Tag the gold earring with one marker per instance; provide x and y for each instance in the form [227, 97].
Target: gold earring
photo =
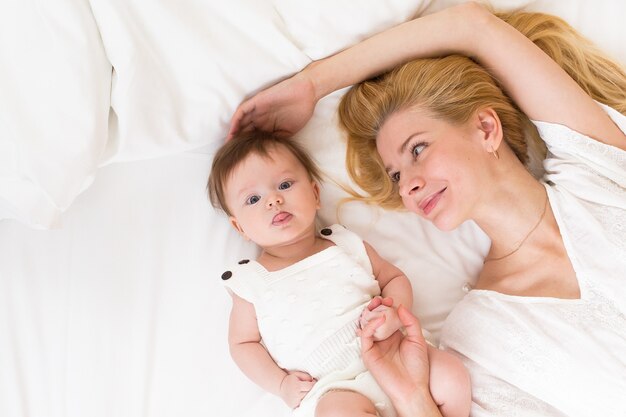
[494, 152]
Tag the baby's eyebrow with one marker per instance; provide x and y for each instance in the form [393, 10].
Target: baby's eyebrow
[245, 190]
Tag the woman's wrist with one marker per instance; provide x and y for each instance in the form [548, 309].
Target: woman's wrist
[319, 80]
[421, 404]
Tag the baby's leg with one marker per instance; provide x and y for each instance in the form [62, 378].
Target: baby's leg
[449, 383]
[344, 404]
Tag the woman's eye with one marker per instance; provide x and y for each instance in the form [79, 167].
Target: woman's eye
[284, 185]
[395, 177]
[417, 149]
[253, 199]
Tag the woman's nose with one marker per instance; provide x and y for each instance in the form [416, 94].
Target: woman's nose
[409, 186]
[274, 200]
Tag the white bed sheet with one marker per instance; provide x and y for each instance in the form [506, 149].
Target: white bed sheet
[122, 313]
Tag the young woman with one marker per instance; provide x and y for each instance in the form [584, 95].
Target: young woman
[544, 330]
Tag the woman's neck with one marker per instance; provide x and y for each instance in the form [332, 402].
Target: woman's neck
[513, 214]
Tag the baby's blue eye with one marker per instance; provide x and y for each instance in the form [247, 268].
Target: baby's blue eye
[284, 185]
[253, 199]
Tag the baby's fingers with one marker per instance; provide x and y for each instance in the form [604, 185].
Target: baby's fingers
[375, 302]
[299, 397]
[306, 386]
[303, 376]
[380, 301]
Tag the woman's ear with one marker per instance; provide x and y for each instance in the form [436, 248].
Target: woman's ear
[316, 190]
[235, 224]
[490, 128]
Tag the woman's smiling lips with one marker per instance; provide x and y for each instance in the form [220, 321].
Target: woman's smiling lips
[428, 204]
[281, 218]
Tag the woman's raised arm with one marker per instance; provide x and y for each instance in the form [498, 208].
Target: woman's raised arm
[534, 81]
[537, 84]
[286, 107]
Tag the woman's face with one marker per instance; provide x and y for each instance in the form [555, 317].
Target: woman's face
[437, 165]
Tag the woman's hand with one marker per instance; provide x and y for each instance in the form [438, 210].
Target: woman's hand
[400, 363]
[295, 386]
[282, 109]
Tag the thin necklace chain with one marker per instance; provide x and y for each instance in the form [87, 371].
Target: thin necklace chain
[545, 206]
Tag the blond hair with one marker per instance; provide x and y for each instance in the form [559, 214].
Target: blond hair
[453, 88]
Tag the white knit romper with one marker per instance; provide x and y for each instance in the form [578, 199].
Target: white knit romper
[308, 314]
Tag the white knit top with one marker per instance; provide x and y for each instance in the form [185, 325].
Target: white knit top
[549, 357]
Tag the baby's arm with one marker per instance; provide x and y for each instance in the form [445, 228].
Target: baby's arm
[449, 383]
[393, 283]
[252, 358]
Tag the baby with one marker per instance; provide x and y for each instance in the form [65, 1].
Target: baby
[297, 308]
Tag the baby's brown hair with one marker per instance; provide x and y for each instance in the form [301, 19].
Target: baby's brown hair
[235, 151]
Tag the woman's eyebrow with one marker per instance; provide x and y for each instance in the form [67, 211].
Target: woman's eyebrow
[404, 145]
[406, 142]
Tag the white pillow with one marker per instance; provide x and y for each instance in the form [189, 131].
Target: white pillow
[324, 27]
[55, 82]
[182, 67]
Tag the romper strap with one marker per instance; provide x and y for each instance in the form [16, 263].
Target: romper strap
[349, 242]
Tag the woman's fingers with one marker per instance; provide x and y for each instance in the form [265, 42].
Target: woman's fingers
[367, 333]
[243, 118]
[411, 324]
[235, 123]
[249, 117]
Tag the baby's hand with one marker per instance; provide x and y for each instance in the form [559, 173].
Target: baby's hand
[294, 386]
[390, 325]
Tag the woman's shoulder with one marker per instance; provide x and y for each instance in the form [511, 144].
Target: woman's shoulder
[563, 141]
[582, 166]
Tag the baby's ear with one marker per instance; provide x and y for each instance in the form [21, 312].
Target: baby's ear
[235, 224]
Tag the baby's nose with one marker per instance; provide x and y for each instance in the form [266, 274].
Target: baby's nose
[274, 201]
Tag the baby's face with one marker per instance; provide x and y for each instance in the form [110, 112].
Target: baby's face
[272, 199]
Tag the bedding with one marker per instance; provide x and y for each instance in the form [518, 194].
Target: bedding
[109, 115]
[54, 108]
